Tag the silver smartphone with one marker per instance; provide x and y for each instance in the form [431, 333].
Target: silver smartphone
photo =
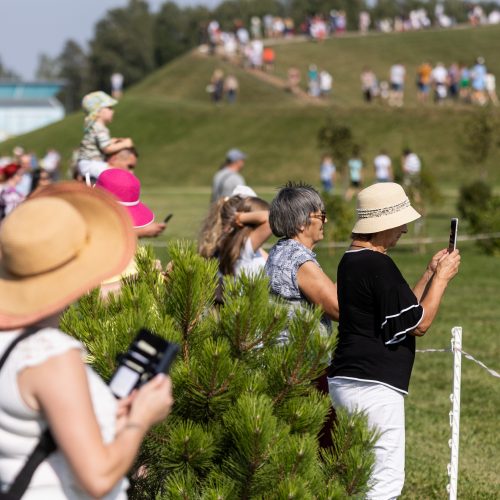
[453, 234]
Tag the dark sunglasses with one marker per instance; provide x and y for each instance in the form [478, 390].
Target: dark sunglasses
[321, 217]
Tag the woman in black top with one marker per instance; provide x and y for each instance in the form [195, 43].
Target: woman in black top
[380, 316]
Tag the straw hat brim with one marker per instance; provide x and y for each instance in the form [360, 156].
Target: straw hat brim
[109, 247]
[377, 224]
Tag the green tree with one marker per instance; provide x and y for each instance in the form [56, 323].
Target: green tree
[338, 140]
[8, 74]
[48, 68]
[478, 140]
[176, 30]
[246, 414]
[123, 42]
[74, 69]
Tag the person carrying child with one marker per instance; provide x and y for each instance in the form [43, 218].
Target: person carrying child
[97, 142]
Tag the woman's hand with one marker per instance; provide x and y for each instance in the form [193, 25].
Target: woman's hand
[123, 410]
[435, 260]
[152, 402]
[448, 265]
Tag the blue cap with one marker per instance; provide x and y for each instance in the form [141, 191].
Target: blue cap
[235, 155]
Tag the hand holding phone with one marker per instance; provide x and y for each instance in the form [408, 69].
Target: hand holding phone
[148, 355]
[452, 245]
[167, 218]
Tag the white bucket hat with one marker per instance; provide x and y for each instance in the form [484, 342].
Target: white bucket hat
[383, 206]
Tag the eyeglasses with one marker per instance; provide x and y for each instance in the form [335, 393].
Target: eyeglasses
[323, 218]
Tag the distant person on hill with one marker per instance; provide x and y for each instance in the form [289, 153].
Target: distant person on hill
[228, 176]
[269, 58]
[439, 78]
[116, 85]
[478, 82]
[491, 88]
[216, 86]
[355, 166]
[464, 91]
[327, 173]
[231, 87]
[383, 167]
[369, 85]
[325, 83]
[97, 142]
[397, 77]
[293, 79]
[424, 72]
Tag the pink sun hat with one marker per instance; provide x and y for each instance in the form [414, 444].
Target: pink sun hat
[126, 187]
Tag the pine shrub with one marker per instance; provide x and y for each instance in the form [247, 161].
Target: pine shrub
[246, 415]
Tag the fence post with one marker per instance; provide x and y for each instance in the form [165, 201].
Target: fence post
[456, 347]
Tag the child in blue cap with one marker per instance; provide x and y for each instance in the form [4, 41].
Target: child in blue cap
[97, 143]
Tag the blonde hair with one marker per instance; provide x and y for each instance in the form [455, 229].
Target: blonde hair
[220, 237]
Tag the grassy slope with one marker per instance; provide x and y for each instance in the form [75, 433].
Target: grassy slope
[182, 137]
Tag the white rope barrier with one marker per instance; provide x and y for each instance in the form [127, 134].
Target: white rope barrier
[344, 244]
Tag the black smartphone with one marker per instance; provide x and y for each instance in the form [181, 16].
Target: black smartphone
[148, 355]
[453, 235]
[167, 218]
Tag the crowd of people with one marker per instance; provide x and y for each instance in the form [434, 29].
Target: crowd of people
[372, 363]
[383, 171]
[94, 224]
[456, 83]
[323, 25]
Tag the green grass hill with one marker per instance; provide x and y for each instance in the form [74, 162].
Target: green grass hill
[182, 136]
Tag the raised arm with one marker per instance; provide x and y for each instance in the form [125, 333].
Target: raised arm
[117, 145]
[318, 288]
[66, 403]
[446, 269]
[424, 281]
[259, 219]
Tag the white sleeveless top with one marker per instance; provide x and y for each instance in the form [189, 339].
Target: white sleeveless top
[250, 262]
[21, 426]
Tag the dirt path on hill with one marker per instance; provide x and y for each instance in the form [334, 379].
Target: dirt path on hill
[271, 79]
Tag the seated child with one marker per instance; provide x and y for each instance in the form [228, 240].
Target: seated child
[96, 142]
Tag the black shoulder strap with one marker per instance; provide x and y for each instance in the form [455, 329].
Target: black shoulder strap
[42, 450]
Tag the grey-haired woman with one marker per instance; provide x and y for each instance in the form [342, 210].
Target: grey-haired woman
[297, 216]
[380, 316]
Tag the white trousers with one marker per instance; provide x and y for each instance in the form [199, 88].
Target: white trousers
[385, 410]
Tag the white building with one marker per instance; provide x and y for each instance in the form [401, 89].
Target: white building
[27, 106]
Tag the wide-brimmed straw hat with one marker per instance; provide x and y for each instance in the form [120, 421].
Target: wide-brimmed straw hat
[383, 206]
[126, 187]
[57, 246]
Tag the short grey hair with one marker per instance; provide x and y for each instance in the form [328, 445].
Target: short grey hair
[291, 208]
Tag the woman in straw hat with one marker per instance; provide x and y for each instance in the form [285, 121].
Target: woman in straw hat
[54, 248]
[380, 316]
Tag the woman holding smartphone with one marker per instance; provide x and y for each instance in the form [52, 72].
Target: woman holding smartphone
[380, 316]
[54, 248]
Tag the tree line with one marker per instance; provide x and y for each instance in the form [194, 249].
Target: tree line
[134, 41]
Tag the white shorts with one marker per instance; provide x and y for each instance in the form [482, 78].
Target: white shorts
[385, 410]
[92, 169]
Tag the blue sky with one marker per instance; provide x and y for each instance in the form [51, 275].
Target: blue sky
[31, 27]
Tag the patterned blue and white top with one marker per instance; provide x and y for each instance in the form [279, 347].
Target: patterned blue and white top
[283, 263]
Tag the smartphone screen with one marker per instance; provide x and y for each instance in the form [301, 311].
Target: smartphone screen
[453, 235]
[167, 218]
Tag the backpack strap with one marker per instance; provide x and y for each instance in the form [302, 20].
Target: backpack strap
[42, 450]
